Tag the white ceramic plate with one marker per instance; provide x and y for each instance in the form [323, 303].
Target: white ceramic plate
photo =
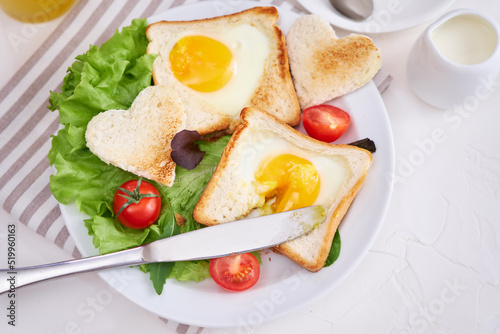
[388, 15]
[283, 287]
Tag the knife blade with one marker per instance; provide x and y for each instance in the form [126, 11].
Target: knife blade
[236, 237]
[240, 236]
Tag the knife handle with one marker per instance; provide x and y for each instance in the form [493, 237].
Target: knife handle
[18, 277]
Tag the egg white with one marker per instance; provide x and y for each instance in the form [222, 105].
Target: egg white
[333, 170]
[250, 50]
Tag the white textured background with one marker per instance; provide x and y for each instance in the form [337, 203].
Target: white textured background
[434, 267]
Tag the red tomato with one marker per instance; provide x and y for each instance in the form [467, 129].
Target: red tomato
[137, 204]
[235, 273]
[324, 122]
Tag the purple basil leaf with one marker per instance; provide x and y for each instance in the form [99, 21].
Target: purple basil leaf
[366, 143]
[185, 152]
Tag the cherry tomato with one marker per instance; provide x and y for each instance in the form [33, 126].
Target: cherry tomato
[137, 204]
[324, 122]
[235, 273]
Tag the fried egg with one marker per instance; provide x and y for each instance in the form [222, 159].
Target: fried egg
[286, 177]
[223, 65]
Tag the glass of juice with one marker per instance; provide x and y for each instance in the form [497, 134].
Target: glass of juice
[35, 11]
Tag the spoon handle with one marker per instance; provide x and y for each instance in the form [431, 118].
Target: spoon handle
[18, 277]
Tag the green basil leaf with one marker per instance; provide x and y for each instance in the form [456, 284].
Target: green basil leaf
[334, 250]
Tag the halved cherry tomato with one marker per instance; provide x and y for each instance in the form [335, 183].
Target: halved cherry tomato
[324, 122]
[137, 204]
[235, 273]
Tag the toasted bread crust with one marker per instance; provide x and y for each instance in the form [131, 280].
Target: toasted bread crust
[264, 98]
[271, 13]
[138, 139]
[324, 66]
[274, 93]
[202, 207]
[333, 222]
[347, 51]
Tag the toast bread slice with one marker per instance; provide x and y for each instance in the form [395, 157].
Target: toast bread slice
[231, 195]
[324, 66]
[273, 91]
[201, 116]
[138, 139]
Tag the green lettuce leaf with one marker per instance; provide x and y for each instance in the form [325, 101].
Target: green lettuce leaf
[111, 236]
[189, 184]
[109, 77]
[190, 271]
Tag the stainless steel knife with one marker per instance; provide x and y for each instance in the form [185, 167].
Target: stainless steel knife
[240, 236]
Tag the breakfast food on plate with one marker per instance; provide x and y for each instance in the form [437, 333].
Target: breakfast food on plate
[225, 63]
[268, 167]
[138, 139]
[324, 66]
[265, 166]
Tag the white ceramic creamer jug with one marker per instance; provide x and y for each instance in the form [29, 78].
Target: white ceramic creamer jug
[454, 58]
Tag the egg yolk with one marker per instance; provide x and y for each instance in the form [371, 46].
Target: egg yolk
[292, 180]
[201, 63]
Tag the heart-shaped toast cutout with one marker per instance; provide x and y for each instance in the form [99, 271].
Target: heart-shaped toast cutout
[323, 66]
[138, 139]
